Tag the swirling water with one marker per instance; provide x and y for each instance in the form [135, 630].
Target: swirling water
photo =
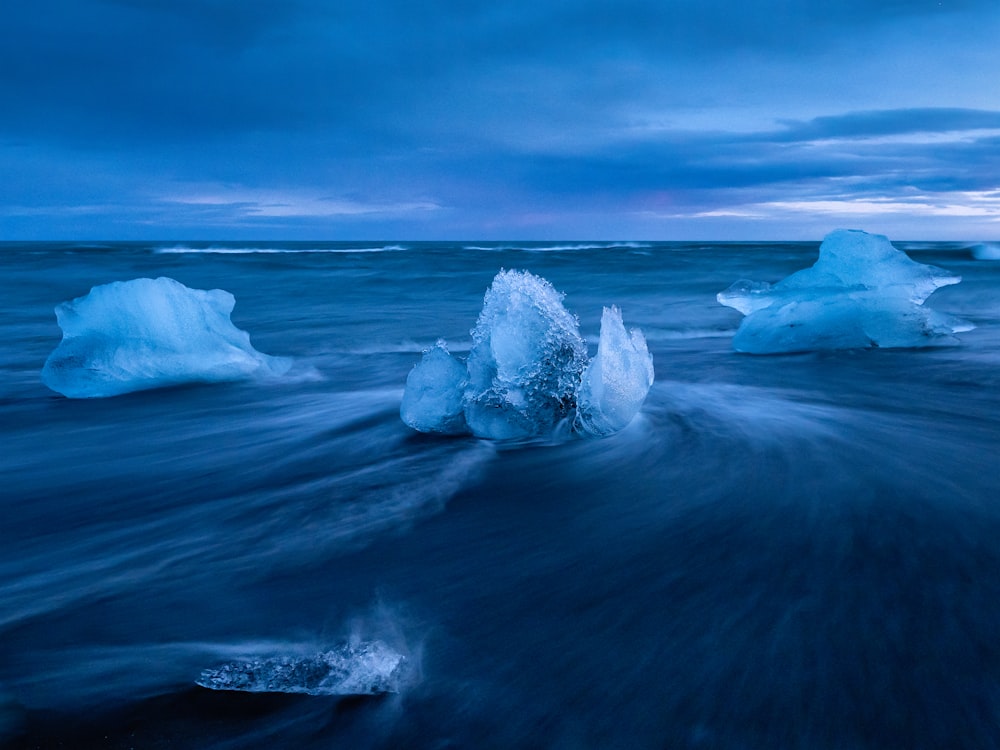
[797, 551]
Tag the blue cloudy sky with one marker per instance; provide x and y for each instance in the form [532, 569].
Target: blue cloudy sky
[459, 119]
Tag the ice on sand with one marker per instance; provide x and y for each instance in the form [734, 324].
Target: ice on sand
[861, 293]
[368, 668]
[528, 371]
[149, 333]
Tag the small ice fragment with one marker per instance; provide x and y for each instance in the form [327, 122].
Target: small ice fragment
[149, 333]
[368, 668]
[433, 398]
[986, 251]
[617, 379]
[527, 372]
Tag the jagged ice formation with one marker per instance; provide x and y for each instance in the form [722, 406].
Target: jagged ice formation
[528, 370]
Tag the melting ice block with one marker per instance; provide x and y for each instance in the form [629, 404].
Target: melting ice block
[369, 668]
[148, 333]
[526, 360]
[433, 399]
[616, 381]
[528, 370]
[986, 251]
[862, 292]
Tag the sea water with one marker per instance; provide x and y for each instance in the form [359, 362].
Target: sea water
[796, 551]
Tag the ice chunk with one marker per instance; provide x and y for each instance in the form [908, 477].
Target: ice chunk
[148, 333]
[368, 668]
[527, 371]
[861, 292]
[526, 360]
[986, 251]
[746, 296]
[434, 397]
[616, 381]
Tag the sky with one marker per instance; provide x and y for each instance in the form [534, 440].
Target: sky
[526, 119]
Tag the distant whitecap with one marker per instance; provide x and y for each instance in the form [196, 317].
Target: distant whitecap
[226, 250]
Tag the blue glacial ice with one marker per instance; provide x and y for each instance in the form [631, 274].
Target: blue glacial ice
[528, 371]
[526, 359]
[149, 333]
[861, 293]
[432, 401]
[616, 380]
[366, 668]
[986, 251]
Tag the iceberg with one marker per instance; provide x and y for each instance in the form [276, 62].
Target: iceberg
[528, 371]
[367, 668]
[861, 293]
[150, 333]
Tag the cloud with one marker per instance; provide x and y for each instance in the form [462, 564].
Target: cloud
[106, 70]
[892, 122]
[876, 150]
[459, 115]
[957, 204]
[233, 204]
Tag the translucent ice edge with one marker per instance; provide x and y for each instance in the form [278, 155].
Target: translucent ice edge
[367, 668]
[986, 251]
[861, 293]
[528, 371]
[150, 333]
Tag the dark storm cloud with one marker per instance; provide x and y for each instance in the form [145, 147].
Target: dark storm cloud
[92, 68]
[147, 68]
[233, 111]
[858, 145]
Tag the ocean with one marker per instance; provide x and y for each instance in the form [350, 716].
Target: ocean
[787, 551]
